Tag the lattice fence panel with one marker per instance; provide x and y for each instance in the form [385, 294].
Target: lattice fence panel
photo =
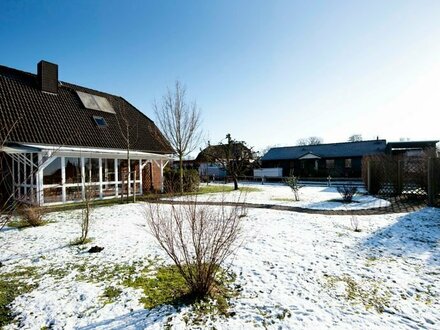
[414, 177]
[435, 179]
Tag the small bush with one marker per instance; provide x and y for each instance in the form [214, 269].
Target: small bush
[347, 192]
[31, 216]
[292, 182]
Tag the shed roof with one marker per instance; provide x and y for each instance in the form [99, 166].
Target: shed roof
[330, 150]
[38, 117]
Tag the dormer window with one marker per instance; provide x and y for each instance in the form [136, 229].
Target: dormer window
[100, 121]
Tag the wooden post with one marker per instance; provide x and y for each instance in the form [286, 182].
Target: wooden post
[63, 179]
[134, 185]
[430, 178]
[83, 179]
[116, 178]
[369, 176]
[161, 176]
[399, 177]
[39, 183]
[100, 178]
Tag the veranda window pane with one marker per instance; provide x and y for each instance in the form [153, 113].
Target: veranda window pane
[52, 173]
[134, 167]
[73, 193]
[73, 170]
[91, 191]
[108, 190]
[109, 172]
[122, 170]
[92, 169]
[52, 195]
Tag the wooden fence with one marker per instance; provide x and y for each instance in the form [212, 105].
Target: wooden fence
[416, 178]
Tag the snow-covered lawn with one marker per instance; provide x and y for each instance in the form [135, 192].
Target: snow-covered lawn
[295, 271]
[320, 198]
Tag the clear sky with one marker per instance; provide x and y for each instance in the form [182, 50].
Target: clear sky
[268, 72]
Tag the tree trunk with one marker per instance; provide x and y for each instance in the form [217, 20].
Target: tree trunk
[235, 182]
[181, 173]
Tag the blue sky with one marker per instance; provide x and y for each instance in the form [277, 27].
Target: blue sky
[268, 72]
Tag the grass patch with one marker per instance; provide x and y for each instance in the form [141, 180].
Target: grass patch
[369, 293]
[283, 199]
[79, 241]
[22, 224]
[223, 189]
[12, 285]
[110, 294]
[9, 290]
[110, 272]
[168, 287]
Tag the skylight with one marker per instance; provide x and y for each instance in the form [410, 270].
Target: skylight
[95, 102]
[100, 121]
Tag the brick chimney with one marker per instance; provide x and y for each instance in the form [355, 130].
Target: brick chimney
[47, 74]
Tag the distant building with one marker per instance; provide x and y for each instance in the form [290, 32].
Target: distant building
[336, 159]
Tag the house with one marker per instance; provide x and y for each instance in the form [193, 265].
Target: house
[334, 159]
[338, 159]
[58, 139]
[213, 160]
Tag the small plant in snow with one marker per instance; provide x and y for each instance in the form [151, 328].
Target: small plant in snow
[355, 224]
[347, 192]
[86, 212]
[292, 182]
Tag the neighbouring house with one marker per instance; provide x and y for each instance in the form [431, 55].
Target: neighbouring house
[337, 159]
[334, 159]
[60, 139]
[212, 160]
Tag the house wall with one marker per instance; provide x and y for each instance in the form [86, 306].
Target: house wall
[156, 176]
[306, 168]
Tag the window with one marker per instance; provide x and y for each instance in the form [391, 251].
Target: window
[91, 168]
[73, 170]
[52, 172]
[348, 163]
[330, 163]
[95, 102]
[100, 121]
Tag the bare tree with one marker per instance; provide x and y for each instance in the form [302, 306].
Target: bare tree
[355, 138]
[198, 238]
[312, 140]
[130, 134]
[180, 123]
[234, 156]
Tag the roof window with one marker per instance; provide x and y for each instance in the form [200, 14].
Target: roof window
[100, 121]
[95, 102]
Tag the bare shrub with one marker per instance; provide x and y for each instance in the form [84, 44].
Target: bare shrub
[198, 238]
[347, 192]
[292, 182]
[31, 216]
[86, 212]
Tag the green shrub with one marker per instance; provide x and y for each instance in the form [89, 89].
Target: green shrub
[191, 180]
